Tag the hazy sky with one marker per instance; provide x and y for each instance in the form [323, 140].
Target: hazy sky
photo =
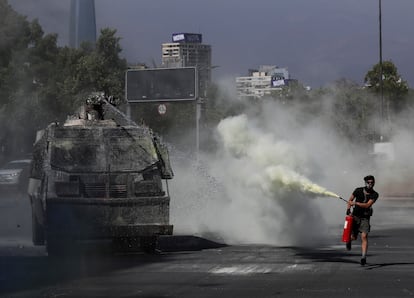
[319, 41]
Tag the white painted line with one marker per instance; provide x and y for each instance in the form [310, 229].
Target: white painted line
[240, 270]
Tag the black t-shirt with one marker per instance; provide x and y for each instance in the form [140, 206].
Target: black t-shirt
[362, 197]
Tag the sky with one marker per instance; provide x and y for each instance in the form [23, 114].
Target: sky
[319, 41]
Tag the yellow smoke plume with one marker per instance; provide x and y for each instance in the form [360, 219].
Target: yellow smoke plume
[272, 163]
[281, 176]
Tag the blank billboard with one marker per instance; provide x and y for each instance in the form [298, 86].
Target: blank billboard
[161, 84]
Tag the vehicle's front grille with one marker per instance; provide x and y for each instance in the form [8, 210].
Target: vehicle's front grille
[100, 190]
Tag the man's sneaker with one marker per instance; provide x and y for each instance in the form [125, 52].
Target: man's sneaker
[348, 245]
[363, 261]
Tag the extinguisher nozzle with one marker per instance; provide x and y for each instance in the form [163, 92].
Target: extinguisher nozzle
[343, 199]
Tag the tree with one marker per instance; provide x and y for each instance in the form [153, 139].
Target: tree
[14, 35]
[103, 69]
[353, 108]
[41, 82]
[291, 93]
[394, 88]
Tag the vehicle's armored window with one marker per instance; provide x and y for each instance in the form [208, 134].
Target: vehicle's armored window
[71, 156]
[130, 154]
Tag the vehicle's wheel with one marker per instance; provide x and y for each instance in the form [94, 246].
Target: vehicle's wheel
[54, 248]
[149, 244]
[125, 244]
[38, 235]
[59, 247]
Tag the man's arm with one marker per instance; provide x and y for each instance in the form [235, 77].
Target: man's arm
[362, 205]
[350, 202]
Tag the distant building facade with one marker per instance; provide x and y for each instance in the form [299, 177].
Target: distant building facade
[187, 50]
[263, 81]
[82, 25]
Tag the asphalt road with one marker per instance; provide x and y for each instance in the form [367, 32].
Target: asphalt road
[195, 267]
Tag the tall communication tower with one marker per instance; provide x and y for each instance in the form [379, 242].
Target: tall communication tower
[82, 25]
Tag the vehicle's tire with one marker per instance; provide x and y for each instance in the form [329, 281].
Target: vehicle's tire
[38, 234]
[149, 244]
[59, 247]
[125, 244]
[54, 248]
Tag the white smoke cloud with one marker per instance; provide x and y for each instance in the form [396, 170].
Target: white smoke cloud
[396, 174]
[256, 189]
[269, 181]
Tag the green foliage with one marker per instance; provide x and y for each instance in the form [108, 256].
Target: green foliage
[219, 105]
[13, 32]
[101, 69]
[41, 82]
[394, 88]
[392, 81]
[294, 92]
[13, 40]
[353, 109]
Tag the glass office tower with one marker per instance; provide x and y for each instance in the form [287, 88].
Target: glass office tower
[82, 22]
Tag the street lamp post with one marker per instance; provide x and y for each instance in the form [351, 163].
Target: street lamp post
[381, 71]
[201, 99]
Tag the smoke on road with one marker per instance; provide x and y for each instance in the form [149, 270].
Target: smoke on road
[274, 180]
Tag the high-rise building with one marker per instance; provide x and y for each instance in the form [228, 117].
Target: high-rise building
[262, 82]
[187, 50]
[82, 25]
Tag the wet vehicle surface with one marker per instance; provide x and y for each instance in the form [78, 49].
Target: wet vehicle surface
[94, 179]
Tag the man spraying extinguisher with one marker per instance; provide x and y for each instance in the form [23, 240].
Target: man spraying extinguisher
[362, 200]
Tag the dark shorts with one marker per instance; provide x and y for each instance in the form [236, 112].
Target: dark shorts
[360, 225]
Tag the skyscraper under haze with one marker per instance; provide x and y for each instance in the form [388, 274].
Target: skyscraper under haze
[187, 49]
[82, 22]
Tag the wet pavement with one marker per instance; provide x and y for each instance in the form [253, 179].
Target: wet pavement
[192, 266]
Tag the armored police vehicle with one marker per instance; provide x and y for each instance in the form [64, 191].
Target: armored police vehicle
[99, 179]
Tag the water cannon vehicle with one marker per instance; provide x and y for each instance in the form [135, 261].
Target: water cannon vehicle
[99, 177]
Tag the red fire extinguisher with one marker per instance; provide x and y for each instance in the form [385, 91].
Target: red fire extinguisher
[346, 235]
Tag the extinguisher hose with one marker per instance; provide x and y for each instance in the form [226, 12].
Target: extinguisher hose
[343, 200]
[348, 212]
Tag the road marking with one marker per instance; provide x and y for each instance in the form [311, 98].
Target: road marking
[240, 270]
[255, 269]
